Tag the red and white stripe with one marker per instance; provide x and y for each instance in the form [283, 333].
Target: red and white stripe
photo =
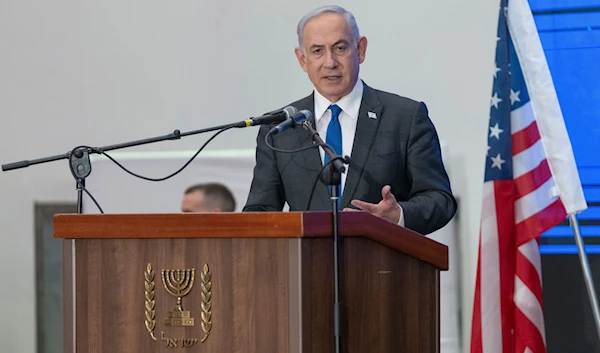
[549, 130]
[508, 315]
[537, 209]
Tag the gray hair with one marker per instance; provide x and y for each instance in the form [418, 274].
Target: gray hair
[327, 9]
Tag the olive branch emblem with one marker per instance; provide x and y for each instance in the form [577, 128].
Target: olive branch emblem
[150, 302]
[206, 295]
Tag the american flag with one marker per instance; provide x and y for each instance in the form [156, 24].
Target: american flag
[531, 184]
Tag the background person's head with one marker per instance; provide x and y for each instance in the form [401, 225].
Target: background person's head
[209, 197]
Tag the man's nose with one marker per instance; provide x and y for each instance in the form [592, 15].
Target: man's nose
[330, 60]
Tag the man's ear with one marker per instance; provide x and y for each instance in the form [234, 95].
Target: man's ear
[362, 48]
[301, 58]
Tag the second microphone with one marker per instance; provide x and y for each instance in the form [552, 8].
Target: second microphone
[292, 122]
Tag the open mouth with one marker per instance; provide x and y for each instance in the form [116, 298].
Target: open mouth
[332, 78]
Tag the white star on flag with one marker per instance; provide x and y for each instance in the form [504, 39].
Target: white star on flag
[496, 70]
[495, 131]
[497, 161]
[495, 100]
[514, 97]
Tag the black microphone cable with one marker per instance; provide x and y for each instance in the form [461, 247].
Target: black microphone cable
[100, 151]
[314, 187]
[314, 145]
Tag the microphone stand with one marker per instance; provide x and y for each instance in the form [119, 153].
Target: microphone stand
[81, 167]
[331, 176]
[79, 157]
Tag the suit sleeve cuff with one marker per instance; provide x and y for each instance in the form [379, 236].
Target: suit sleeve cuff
[401, 220]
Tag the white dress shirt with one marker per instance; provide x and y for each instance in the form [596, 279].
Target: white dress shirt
[350, 105]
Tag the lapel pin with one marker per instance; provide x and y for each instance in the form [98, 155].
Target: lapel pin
[372, 115]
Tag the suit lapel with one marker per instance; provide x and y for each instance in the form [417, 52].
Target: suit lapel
[366, 129]
[312, 157]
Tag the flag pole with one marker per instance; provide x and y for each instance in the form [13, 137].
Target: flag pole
[587, 273]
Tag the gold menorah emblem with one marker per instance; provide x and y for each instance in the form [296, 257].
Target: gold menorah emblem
[179, 283]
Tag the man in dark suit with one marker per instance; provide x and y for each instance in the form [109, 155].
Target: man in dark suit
[396, 170]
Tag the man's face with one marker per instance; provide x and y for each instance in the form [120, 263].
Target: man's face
[331, 56]
[194, 202]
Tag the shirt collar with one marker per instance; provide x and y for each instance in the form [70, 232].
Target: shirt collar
[350, 103]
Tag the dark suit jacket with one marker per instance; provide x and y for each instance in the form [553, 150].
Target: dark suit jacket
[400, 148]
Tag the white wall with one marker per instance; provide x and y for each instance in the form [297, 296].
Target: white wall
[101, 72]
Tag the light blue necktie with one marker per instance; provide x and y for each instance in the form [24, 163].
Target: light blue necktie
[334, 137]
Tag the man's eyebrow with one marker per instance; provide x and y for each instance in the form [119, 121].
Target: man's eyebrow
[341, 41]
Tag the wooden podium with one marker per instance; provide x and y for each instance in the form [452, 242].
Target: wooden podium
[247, 283]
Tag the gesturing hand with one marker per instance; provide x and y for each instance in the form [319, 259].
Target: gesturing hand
[387, 208]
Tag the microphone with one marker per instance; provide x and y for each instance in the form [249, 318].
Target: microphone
[297, 119]
[275, 116]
